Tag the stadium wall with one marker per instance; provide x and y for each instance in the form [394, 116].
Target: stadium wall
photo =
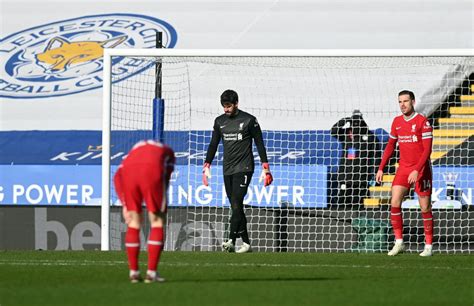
[77, 228]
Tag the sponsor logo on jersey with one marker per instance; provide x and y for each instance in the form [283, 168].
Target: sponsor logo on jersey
[405, 138]
[229, 136]
[65, 57]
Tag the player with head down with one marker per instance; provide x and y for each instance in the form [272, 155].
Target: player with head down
[237, 129]
[143, 176]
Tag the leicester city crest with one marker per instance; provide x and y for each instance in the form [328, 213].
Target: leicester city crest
[65, 57]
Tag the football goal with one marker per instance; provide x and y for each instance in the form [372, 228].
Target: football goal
[325, 117]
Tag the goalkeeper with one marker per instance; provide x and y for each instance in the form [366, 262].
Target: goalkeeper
[237, 129]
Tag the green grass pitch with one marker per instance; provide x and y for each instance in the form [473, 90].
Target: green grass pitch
[211, 278]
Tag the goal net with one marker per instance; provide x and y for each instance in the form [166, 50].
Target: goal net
[325, 117]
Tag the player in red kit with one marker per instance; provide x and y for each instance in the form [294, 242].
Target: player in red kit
[144, 176]
[413, 133]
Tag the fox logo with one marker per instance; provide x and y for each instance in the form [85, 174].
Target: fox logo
[65, 57]
[61, 54]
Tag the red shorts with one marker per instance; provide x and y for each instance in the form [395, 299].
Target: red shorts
[422, 186]
[141, 183]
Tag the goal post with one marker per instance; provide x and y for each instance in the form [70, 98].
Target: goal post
[106, 176]
[324, 197]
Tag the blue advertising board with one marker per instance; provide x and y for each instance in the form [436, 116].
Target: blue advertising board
[305, 187]
[49, 185]
[460, 178]
[84, 147]
[81, 185]
[298, 185]
[63, 168]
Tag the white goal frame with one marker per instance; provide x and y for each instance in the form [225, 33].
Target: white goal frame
[107, 66]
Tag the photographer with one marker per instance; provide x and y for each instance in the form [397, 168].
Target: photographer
[357, 165]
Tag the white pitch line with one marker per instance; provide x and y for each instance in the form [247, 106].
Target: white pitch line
[205, 264]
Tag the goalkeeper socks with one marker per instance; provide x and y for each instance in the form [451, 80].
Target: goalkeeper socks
[428, 226]
[243, 229]
[132, 245]
[155, 245]
[232, 233]
[397, 222]
[234, 228]
[245, 236]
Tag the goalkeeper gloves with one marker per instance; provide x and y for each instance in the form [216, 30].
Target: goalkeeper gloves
[206, 173]
[266, 175]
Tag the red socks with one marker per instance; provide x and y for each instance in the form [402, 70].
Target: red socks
[155, 245]
[428, 225]
[397, 222]
[132, 244]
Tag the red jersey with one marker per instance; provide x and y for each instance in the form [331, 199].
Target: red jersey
[414, 137]
[410, 134]
[157, 155]
[144, 176]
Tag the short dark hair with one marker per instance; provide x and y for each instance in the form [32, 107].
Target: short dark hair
[407, 92]
[229, 96]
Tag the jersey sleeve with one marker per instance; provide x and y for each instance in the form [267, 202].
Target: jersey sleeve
[393, 130]
[390, 147]
[426, 130]
[215, 139]
[427, 141]
[257, 135]
[118, 185]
